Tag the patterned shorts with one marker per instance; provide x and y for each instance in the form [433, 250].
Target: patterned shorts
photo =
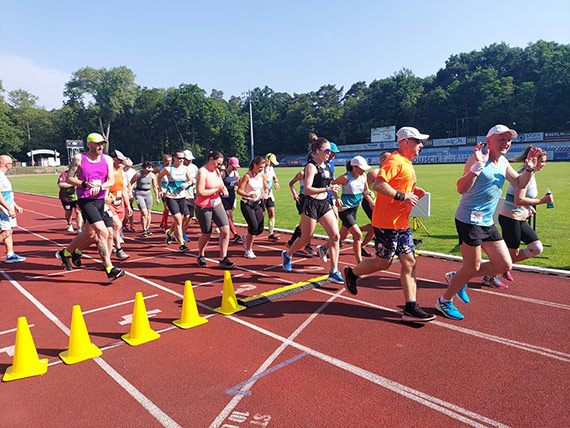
[390, 242]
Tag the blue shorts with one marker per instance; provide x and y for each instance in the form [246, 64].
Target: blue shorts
[390, 242]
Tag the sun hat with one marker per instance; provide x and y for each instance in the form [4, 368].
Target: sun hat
[188, 155]
[117, 154]
[334, 147]
[271, 158]
[360, 162]
[95, 138]
[501, 129]
[233, 161]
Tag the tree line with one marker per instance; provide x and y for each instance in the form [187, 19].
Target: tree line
[527, 88]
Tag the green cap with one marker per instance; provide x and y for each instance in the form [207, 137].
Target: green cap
[95, 138]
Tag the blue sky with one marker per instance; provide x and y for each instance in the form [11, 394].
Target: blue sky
[291, 46]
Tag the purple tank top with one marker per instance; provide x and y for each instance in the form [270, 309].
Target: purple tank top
[93, 172]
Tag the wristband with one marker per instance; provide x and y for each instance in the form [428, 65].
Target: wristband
[529, 170]
[477, 167]
[399, 196]
[84, 184]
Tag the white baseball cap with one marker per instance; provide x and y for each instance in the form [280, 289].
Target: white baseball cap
[502, 129]
[409, 132]
[188, 155]
[360, 162]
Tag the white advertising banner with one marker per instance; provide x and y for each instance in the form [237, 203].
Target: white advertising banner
[533, 136]
[386, 133]
[458, 141]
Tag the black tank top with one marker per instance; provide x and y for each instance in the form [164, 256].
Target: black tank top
[323, 177]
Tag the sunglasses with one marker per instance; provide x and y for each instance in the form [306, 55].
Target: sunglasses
[220, 163]
[415, 140]
[182, 158]
[327, 151]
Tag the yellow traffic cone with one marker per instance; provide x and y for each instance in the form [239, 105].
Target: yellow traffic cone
[80, 346]
[140, 327]
[229, 301]
[189, 317]
[26, 362]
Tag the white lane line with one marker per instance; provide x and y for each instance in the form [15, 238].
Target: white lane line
[551, 353]
[302, 259]
[12, 330]
[148, 405]
[102, 308]
[285, 343]
[449, 409]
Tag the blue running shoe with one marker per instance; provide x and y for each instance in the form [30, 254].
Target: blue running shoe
[461, 294]
[14, 258]
[336, 277]
[286, 261]
[185, 238]
[448, 309]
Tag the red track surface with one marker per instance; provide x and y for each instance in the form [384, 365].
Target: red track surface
[318, 358]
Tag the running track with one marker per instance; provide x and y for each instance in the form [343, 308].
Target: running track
[317, 358]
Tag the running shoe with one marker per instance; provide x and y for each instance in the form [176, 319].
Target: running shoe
[115, 273]
[70, 227]
[168, 239]
[508, 276]
[185, 238]
[365, 253]
[249, 254]
[322, 253]
[235, 239]
[183, 248]
[289, 243]
[79, 230]
[202, 261]
[461, 294]
[121, 255]
[148, 233]
[417, 314]
[65, 260]
[244, 240]
[144, 233]
[309, 250]
[14, 258]
[286, 261]
[340, 244]
[336, 277]
[225, 263]
[448, 309]
[274, 237]
[494, 282]
[76, 259]
[350, 280]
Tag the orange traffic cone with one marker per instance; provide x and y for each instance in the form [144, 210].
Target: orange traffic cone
[189, 317]
[140, 327]
[229, 301]
[26, 362]
[80, 346]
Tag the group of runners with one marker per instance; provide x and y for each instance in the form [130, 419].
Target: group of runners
[208, 195]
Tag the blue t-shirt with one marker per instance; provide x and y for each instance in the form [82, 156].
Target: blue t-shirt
[478, 204]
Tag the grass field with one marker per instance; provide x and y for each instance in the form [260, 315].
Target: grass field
[440, 180]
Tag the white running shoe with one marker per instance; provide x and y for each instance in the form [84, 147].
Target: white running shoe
[249, 254]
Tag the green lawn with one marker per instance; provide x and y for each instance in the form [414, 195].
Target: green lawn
[552, 224]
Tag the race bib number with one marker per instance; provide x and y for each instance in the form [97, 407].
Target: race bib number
[476, 216]
[97, 182]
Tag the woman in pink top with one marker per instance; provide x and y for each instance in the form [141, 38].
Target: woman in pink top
[209, 208]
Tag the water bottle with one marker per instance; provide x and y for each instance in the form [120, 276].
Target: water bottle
[549, 204]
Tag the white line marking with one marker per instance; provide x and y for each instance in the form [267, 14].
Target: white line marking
[102, 308]
[128, 319]
[158, 414]
[12, 330]
[285, 343]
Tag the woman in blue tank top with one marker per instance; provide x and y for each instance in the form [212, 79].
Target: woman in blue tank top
[481, 186]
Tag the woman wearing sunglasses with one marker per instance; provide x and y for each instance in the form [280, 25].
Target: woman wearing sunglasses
[209, 208]
[145, 182]
[317, 207]
[179, 178]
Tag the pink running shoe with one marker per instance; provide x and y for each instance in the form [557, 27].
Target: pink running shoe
[507, 275]
[494, 282]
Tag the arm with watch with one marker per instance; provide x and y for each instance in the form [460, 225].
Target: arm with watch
[521, 180]
[382, 187]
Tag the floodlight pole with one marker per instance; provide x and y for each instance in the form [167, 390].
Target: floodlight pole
[251, 125]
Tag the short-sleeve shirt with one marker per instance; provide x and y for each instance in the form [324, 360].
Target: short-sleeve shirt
[68, 194]
[388, 213]
[7, 193]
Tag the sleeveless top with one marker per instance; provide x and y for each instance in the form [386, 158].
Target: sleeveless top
[117, 188]
[478, 204]
[230, 181]
[92, 172]
[323, 177]
[352, 191]
[212, 181]
[509, 207]
[176, 177]
[255, 184]
[144, 182]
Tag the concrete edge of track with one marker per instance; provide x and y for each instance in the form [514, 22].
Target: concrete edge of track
[523, 268]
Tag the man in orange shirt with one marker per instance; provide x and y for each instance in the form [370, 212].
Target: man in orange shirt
[397, 194]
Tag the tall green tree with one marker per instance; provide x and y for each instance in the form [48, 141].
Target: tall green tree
[9, 141]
